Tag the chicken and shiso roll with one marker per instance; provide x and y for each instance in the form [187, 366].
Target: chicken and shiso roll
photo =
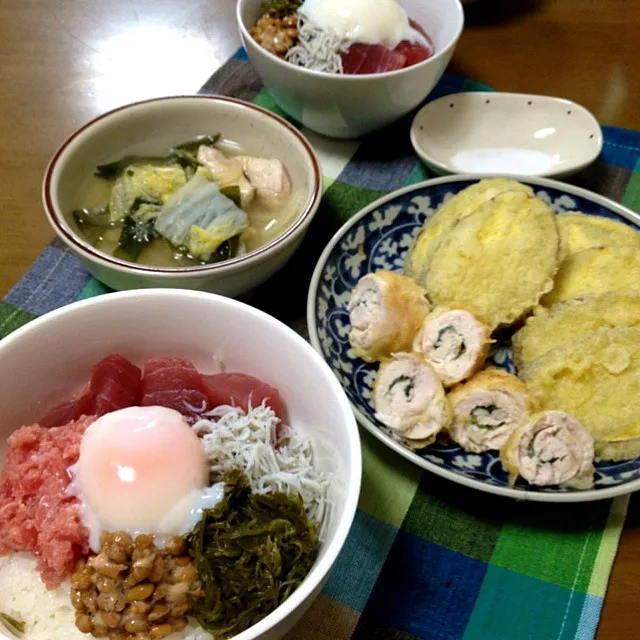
[596, 379]
[456, 208]
[487, 409]
[580, 231]
[409, 399]
[596, 270]
[551, 449]
[571, 319]
[386, 309]
[497, 262]
[454, 342]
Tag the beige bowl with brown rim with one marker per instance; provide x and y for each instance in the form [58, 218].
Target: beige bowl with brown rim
[160, 123]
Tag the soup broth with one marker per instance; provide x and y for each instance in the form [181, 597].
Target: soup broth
[266, 222]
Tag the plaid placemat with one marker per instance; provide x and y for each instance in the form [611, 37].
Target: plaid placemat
[425, 558]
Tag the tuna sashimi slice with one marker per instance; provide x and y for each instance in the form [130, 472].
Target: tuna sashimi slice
[114, 385]
[241, 390]
[353, 58]
[67, 411]
[176, 384]
[413, 53]
[371, 58]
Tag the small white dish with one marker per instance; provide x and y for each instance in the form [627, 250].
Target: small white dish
[505, 133]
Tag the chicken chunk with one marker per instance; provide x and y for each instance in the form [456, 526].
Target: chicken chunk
[269, 177]
[227, 172]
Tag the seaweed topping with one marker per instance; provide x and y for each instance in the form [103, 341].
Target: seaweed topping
[251, 552]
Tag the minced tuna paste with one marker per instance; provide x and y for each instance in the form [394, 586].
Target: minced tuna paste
[35, 513]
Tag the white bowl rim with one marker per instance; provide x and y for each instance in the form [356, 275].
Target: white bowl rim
[318, 573]
[74, 242]
[363, 76]
[518, 494]
[423, 152]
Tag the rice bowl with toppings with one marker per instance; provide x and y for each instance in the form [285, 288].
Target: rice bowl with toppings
[347, 75]
[136, 563]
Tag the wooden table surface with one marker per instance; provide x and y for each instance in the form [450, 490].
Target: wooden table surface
[63, 62]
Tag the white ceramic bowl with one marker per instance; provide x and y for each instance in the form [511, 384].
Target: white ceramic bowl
[51, 357]
[349, 106]
[149, 126]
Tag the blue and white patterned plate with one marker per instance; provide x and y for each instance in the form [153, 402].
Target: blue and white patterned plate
[378, 238]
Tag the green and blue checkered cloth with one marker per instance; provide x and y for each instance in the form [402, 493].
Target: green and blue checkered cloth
[425, 558]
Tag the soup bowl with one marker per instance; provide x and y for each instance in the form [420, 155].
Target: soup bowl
[349, 106]
[50, 358]
[146, 128]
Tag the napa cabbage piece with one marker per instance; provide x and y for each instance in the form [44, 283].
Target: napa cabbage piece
[251, 551]
[200, 218]
[149, 184]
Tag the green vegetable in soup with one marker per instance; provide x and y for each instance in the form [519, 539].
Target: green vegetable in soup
[147, 183]
[232, 192]
[192, 146]
[251, 551]
[183, 154]
[135, 236]
[97, 217]
[199, 217]
[93, 223]
[14, 626]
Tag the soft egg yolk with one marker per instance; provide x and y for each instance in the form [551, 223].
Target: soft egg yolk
[141, 469]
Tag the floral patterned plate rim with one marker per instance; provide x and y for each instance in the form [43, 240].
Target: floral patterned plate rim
[377, 238]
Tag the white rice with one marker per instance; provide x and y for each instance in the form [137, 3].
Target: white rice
[47, 614]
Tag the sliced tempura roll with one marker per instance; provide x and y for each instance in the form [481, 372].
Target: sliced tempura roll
[487, 409]
[409, 398]
[386, 310]
[454, 342]
[551, 448]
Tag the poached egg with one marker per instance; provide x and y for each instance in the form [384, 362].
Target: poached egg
[382, 22]
[142, 470]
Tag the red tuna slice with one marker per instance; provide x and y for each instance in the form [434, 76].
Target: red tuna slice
[176, 384]
[114, 385]
[353, 58]
[241, 390]
[413, 53]
[371, 58]
[66, 412]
